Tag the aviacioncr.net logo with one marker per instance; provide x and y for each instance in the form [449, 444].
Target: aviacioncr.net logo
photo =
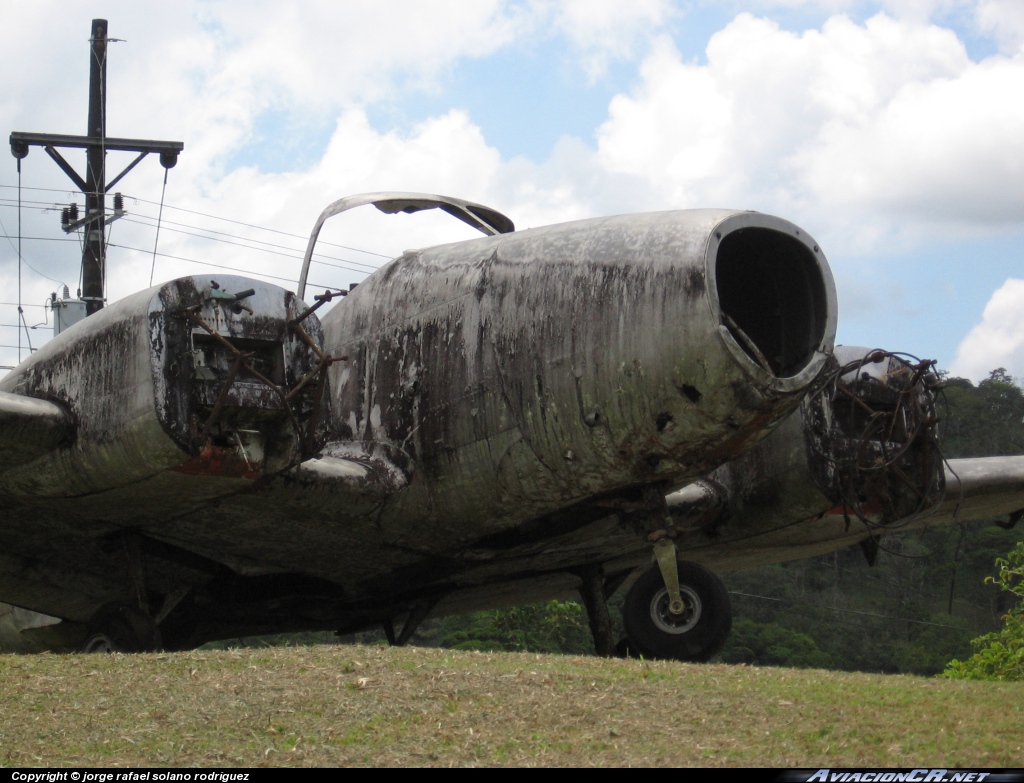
[913, 776]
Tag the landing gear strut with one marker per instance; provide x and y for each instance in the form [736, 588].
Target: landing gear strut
[121, 628]
[694, 633]
[417, 614]
[130, 625]
[595, 599]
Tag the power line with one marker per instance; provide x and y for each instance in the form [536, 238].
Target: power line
[260, 249]
[159, 222]
[247, 272]
[8, 237]
[21, 258]
[248, 243]
[46, 206]
[48, 190]
[140, 219]
[42, 206]
[260, 228]
[300, 251]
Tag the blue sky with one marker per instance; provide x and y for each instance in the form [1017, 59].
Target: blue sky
[891, 131]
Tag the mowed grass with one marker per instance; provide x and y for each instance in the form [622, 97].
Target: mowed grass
[353, 705]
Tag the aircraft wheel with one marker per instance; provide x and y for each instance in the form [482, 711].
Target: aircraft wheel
[694, 635]
[121, 628]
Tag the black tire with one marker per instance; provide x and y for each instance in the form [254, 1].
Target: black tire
[121, 628]
[697, 634]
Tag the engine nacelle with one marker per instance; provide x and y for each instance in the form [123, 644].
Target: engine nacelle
[194, 377]
[588, 357]
[857, 460]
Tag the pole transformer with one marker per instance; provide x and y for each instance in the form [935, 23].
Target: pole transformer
[94, 186]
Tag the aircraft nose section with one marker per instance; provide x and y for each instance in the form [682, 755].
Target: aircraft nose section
[774, 296]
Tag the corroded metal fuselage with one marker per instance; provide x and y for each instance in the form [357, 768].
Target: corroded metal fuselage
[569, 367]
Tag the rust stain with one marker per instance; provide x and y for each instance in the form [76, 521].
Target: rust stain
[216, 461]
[740, 442]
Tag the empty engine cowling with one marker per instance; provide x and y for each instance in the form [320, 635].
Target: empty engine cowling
[196, 376]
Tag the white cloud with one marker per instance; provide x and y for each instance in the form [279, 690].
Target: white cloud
[207, 72]
[940, 150]
[861, 132]
[887, 125]
[607, 30]
[998, 341]
[319, 52]
[445, 154]
[1003, 19]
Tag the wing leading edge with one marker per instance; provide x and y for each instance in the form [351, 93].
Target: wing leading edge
[982, 487]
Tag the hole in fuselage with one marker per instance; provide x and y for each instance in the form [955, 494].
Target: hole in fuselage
[773, 297]
[692, 393]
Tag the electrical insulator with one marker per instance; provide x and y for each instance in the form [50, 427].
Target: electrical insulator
[118, 202]
[73, 213]
[65, 217]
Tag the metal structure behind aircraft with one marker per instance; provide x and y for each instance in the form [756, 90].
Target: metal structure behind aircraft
[477, 424]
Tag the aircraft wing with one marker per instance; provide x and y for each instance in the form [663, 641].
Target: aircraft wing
[30, 428]
[983, 487]
[976, 488]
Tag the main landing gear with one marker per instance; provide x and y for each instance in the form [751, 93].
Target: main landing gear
[692, 630]
[676, 610]
[121, 628]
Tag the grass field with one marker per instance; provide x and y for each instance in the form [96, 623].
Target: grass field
[353, 705]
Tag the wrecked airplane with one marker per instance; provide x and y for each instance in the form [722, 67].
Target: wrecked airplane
[524, 415]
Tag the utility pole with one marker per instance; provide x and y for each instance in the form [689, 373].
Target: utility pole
[93, 252]
[95, 187]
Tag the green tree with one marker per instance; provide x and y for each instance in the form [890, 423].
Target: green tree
[982, 421]
[769, 644]
[551, 627]
[1000, 655]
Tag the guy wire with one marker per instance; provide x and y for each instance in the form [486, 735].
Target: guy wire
[159, 217]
